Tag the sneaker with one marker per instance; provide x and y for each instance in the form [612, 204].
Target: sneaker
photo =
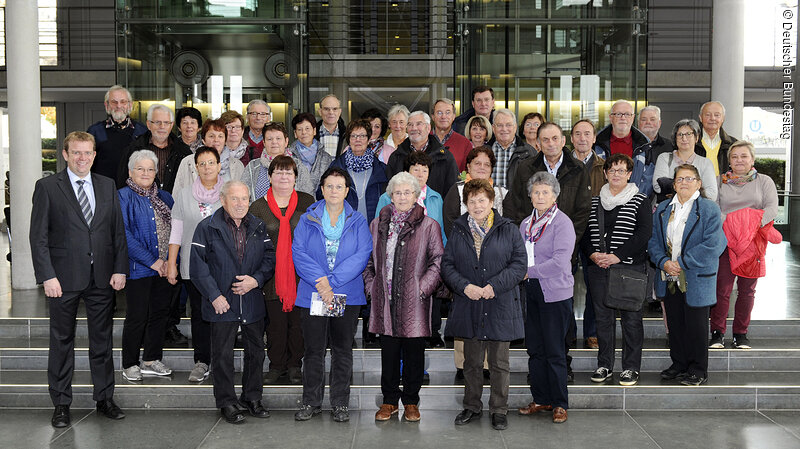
[693, 380]
[629, 378]
[157, 368]
[717, 340]
[340, 413]
[199, 373]
[132, 373]
[307, 412]
[740, 341]
[601, 374]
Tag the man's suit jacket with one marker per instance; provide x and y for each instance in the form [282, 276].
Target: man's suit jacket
[63, 245]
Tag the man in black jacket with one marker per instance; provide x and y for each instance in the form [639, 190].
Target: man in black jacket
[650, 125]
[714, 141]
[331, 129]
[509, 149]
[482, 104]
[113, 135]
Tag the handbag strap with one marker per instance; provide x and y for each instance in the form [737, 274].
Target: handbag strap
[601, 225]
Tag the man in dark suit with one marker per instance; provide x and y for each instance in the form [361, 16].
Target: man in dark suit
[79, 251]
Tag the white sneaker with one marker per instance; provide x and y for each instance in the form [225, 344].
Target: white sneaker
[199, 372]
[157, 368]
[132, 373]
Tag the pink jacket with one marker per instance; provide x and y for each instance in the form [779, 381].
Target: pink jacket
[747, 241]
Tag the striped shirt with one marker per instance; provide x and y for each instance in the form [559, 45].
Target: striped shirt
[623, 229]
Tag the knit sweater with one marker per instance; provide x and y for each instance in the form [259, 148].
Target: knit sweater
[757, 194]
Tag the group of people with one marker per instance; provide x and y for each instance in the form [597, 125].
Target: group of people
[299, 241]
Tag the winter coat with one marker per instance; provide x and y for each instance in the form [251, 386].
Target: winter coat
[444, 170]
[140, 231]
[553, 258]
[747, 241]
[415, 275]
[643, 160]
[376, 185]
[341, 144]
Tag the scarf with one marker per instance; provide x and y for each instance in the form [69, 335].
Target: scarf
[610, 201]
[396, 223]
[151, 193]
[332, 232]
[421, 198]
[538, 225]
[479, 230]
[736, 180]
[203, 195]
[238, 152]
[468, 178]
[285, 282]
[376, 146]
[224, 161]
[358, 164]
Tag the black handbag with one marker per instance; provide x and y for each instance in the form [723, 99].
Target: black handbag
[627, 284]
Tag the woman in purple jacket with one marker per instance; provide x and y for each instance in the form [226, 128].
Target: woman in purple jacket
[549, 241]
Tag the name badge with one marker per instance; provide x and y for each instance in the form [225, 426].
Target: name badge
[529, 249]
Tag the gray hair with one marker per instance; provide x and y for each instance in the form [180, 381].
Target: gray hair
[228, 185]
[261, 102]
[397, 109]
[446, 101]
[425, 116]
[653, 108]
[685, 122]
[544, 178]
[742, 143]
[403, 177]
[618, 102]
[117, 87]
[330, 96]
[138, 156]
[159, 107]
[712, 102]
[507, 112]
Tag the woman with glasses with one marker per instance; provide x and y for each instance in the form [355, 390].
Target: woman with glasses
[236, 144]
[685, 134]
[398, 119]
[529, 127]
[258, 115]
[214, 135]
[307, 148]
[256, 174]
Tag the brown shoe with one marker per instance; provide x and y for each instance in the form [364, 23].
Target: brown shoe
[386, 412]
[534, 408]
[591, 343]
[559, 415]
[411, 413]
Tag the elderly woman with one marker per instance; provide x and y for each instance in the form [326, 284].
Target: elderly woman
[626, 218]
[741, 187]
[687, 237]
[193, 204]
[214, 136]
[307, 148]
[189, 120]
[398, 119]
[280, 210]
[549, 240]
[479, 130]
[235, 143]
[377, 145]
[330, 249]
[480, 164]
[401, 277]
[484, 262]
[529, 128]
[147, 216]
[685, 134]
[256, 174]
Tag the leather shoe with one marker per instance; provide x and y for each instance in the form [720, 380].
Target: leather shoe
[466, 416]
[60, 416]
[385, 413]
[499, 421]
[411, 413]
[108, 408]
[232, 414]
[671, 373]
[256, 409]
[559, 415]
[591, 343]
[534, 408]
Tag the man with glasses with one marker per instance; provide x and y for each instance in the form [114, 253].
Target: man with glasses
[482, 104]
[159, 139]
[259, 114]
[444, 113]
[116, 132]
[331, 129]
[714, 141]
[509, 149]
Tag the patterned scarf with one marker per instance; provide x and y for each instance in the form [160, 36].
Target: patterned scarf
[736, 180]
[376, 146]
[396, 223]
[262, 181]
[538, 225]
[479, 230]
[358, 164]
[151, 193]
[285, 282]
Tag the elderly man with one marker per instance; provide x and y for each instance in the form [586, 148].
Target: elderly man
[482, 104]
[583, 138]
[444, 171]
[232, 258]
[259, 114]
[331, 129]
[714, 141]
[509, 149]
[444, 112]
[159, 139]
[622, 137]
[79, 251]
[113, 135]
[649, 125]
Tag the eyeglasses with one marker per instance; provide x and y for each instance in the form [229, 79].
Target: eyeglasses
[259, 114]
[621, 114]
[684, 135]
[233, 127]
[358, 136]
[530, 124]
[149, 171]
[335, 188]
[403, 193]
[687, 179]
[207, 164]
[614, 171]
[444, 113]
[161, 123]
[330, 109]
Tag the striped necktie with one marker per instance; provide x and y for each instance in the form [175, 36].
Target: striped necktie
[83, 200]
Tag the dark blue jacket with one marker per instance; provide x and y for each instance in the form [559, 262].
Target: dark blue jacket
[503, 264]
[215, 265]
[375, 186]
[140, 231]
[311, 263]
[644, 164]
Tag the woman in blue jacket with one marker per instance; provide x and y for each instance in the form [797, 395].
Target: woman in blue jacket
[146, 211]
[686, 244]
[330, 249]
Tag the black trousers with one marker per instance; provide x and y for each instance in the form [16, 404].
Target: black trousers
[688, 334]
[223, 336]
[284, 337]
[475, 352]
[606, 319]
[201, 329]
[546, 324]
[145, 319]
[317, 332]
[173, 311]
[412, 353]
[61, 356]
[436, 317]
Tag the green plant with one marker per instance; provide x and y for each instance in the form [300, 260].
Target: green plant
[774, 168]
[48, 143]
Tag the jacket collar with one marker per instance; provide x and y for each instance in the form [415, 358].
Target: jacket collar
[315, 211]
[604, 138]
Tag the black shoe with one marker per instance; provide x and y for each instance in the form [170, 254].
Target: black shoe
[673, 373]
[435, 341]
[499, 422]
[295, 376]
[460, 373]
[693, 380]
[60, 416]
[466, 416]
[307, 412]
[487, 374]
[740, 341]
[274, 375]
[174, 337]
[717, 340]
[256, 409]
[232, 414]
[109, 409]
[570, 375]
[340, 413]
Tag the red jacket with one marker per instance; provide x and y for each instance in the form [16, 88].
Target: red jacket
[747, 241]
[459, 146]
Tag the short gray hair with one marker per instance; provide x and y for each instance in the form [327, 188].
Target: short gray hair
[691, 123]
[159, 107]
[445, 101]
[398, 109]
[507, 112]
[712, 102]
[117, 87]
[228, 185]
[403, 177]
[138, 156]
[261, 102]
[544, 178]
[653, 108]
[618, 102]
[425, 116]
